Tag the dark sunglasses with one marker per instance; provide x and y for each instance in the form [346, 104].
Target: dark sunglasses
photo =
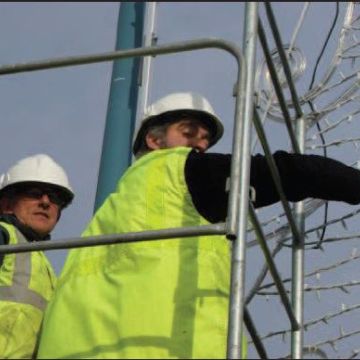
[37, 193]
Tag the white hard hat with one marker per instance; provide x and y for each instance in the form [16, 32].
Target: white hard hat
[188, 102]
[38, 168]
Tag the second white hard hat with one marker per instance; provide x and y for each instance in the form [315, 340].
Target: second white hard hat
[38, 168]
[188, 102]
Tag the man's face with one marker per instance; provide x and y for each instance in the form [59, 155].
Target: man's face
[33, 208]
[186, 132]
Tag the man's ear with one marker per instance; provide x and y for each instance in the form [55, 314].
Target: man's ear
[152, 142]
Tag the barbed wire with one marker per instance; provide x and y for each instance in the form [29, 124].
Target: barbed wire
[355, 353]
[331, 126]
[316, 348]
[284, 229]
[337, 142]
[332, 342]
[318, 271]
[335, 239]
[324, 319]
[307, 288]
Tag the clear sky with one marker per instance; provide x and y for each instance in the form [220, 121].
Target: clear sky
[62, 112]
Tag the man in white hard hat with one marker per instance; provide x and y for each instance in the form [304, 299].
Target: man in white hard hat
[169, 298]
[33, 193]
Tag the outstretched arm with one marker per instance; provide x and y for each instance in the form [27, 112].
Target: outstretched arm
[302, 176]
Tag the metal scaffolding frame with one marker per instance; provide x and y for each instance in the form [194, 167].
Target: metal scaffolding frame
[239, 210]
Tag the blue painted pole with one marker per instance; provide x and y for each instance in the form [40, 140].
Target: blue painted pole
[121, 112]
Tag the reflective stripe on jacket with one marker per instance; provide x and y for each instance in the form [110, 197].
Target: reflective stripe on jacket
[158, 299]
[27, 281]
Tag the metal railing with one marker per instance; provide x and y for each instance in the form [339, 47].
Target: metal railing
[298, 142]
[235, 227]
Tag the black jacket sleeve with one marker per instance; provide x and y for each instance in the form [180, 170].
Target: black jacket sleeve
[302, 176]
[206, 176]
[4, 239]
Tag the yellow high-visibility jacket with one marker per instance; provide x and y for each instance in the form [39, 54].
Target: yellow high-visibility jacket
[154, 299]
[27, 282]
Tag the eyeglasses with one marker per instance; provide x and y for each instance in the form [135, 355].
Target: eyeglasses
[37, 193]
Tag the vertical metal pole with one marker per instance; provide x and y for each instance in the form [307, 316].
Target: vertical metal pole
[236, 310]
[149, 40]
[120, 119]
[297, 336]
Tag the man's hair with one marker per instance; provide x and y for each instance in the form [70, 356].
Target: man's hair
[158, 131]
[161, 123]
